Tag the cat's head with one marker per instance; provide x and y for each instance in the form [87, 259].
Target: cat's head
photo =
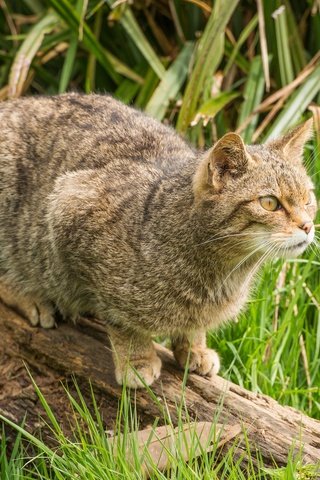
[258, 196]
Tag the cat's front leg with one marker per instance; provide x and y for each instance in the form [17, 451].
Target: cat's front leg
[135, 358]
[191, 349]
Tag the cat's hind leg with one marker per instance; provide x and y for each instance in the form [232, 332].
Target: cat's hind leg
[135, 358]
[38, 313]
[191, 349]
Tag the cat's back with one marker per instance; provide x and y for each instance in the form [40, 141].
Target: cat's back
[74, 131]
[42, 138]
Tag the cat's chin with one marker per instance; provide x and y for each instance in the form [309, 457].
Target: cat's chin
[294, 250]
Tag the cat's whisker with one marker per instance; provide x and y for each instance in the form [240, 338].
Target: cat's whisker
[243, 260]
[247, 242]
[313, 157]
[248, 234]
[276, 253]
[261, 260]
[272, 252]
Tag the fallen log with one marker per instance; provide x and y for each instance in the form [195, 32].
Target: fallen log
[83, 351]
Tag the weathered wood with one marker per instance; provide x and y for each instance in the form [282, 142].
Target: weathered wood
[83, 350]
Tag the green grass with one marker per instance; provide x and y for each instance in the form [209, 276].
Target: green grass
[278, 355]
[92, 455]
[200, 67]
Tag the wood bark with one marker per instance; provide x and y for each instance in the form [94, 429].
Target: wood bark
[82, 350]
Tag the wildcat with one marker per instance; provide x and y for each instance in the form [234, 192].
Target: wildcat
[104, 211]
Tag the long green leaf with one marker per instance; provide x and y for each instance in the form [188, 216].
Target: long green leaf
[92, 61]
[68, 64]
[211, 107]
[296, 106]
[253, 92]
[207, 60]
[295, 39]
[71, 53]
[170, 84]
[73, 19]
[35, 6]
[123, 69]
[239, 59]
[242, 38]
[27, 52]
[282, 37]
[127, 90]
[151, 81]
[133, 29]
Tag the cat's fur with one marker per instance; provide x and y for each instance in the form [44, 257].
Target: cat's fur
[104, 211]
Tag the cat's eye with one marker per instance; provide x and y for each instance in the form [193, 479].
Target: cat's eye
[270, 203]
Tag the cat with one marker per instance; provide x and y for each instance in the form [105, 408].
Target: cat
[105, 211]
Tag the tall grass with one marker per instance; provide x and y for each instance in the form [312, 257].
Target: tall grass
[206, 67]
[93, 455]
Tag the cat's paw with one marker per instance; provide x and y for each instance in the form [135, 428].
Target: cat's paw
[138, 374]
[42, 315]
[202, 361]
[37, 313]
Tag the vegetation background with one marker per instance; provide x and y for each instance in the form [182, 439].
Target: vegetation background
[205, 67]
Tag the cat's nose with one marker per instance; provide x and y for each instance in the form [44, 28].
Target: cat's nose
[306, 227]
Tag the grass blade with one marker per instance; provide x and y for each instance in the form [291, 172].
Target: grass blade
[208, 58]
[295, 38]
[133, 29]
[72, 18]
[285, 62]
[127, 90]
[242, 38]
[210, 108]
[263, 44]
[239, 59]
[34, 5]
[170, 84]
[296, 106]
[67, 68]
[151, 81]
[27, 52]
[91, 65]
[253, 92]
[123, 69]
[68, 64]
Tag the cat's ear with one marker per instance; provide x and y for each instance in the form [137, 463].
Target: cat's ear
[227, 159]
[291, 145]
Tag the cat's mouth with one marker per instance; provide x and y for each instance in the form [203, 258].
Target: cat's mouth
[296, 244]
[304, 243]
[297, 248]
